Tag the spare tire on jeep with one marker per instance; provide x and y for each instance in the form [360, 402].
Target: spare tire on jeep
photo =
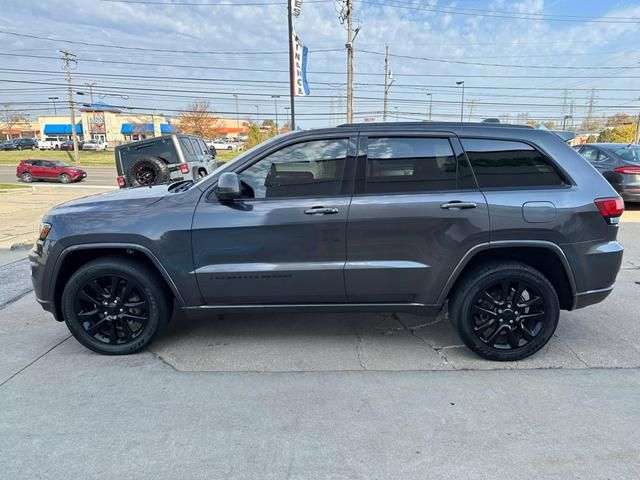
[147, 171]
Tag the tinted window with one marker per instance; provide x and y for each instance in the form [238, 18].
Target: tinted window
[163, 149]
[187, 147]
[396, 165]
[501, 163]
[629, 153]
[305, 169]
[591, 154]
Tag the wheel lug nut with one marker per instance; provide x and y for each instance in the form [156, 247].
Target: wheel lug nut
[510, 321]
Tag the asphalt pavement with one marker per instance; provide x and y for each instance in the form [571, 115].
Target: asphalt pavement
[96, 176]
[313, 396]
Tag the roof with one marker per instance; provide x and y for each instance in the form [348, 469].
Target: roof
[100, 107]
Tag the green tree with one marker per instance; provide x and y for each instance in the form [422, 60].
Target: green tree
[621, 134]
[254, 136]
[550, 124]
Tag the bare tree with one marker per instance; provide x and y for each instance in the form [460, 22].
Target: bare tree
[9, 118]
[198, 119]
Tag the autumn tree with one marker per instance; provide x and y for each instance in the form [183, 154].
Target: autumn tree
[618, 119]
[621, 134]
[198, 119]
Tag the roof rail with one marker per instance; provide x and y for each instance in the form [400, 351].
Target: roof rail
[433, 124]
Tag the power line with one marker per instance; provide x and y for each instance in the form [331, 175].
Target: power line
[475, 12]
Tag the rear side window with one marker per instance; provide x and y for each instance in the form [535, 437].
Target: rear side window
[398, 165]
[187, 147]
[508, 164]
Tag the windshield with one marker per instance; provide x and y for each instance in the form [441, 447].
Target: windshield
[629, 153]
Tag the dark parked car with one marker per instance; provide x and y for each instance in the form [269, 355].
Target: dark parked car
[619, 163]
[68, 145]
[7, 145]
[25, 143]
[170, 158]
[507, 223]
[30, 170]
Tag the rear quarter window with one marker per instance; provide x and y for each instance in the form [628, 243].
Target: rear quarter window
[510, 164]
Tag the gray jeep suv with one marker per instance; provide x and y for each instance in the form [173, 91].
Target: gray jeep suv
[504, 225]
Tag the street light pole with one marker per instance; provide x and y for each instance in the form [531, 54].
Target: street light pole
[461, 82]
[237, 117]
[430, 104]
[257, 114]
[53, 100]
[275, 101]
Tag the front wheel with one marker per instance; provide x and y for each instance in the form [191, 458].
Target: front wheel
[64, 178]
[505, 311]
[115, 306]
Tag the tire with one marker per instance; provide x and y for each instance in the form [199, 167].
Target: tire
[147, 171]
[26, 177]
[504, 311]
[147, 305]
[64, 178]
[229, 148]
[19, 147]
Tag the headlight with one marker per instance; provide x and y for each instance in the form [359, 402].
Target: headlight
[45, 228]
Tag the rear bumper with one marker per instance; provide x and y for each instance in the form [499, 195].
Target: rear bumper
[591, 297]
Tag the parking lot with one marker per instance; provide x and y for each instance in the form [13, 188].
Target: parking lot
[339, 395]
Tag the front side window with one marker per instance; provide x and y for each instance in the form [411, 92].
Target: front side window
[397, 165]
[509, 164]
[307, 169]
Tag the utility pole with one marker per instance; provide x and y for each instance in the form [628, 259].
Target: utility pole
[53, 100]
[257, 114]
[292, 87]
[67, 59]
[470, 110]
[461, 82]
[637, 134]
[430, 104]
[388, 81]
[349, 46]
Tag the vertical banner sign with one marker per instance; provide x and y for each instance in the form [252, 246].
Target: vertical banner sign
[300, 53]
[296, 7]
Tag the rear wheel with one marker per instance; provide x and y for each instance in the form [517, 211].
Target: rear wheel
[26, 177]
[115, 306]
[64, 178]
[505, 311]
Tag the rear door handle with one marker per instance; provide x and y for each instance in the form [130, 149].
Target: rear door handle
[455, 205]
[321, 211]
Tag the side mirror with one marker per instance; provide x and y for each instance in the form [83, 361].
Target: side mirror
[228, 186]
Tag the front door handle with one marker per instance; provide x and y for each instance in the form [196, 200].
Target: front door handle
[455, 205]
[321, 211]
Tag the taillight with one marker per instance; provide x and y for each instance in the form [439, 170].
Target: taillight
[610, 208]
[184, 168]
[628, 170]
[121, 182]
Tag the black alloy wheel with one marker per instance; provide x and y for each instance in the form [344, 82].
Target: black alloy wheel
[508, 314]
[113, 309]
[145, 175]
[115, 305]
[504, 311]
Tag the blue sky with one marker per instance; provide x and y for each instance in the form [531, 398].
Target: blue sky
[511, 66]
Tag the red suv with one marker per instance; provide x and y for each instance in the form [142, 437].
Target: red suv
[29, 170]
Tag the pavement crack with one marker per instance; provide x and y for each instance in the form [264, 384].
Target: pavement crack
[440, 351]
[32, 362]
[575, 354]
[162, 360]
[360, 352]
